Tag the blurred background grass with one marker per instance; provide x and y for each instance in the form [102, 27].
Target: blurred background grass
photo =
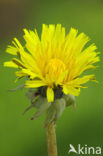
[19, 136]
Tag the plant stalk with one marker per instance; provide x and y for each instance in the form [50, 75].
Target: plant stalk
[51, 140]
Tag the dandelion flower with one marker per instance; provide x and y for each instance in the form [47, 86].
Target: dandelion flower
[54, 61]
[53, 65]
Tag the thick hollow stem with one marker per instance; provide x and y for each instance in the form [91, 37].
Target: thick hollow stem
[51, 140]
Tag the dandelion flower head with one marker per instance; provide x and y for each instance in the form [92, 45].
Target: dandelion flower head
[54, 61]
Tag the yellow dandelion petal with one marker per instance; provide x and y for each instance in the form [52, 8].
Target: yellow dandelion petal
[18, 63]
[71, 90]
[26, 72]
[10, 64]
[34, 83]
[20, 74]
[32, 41]
[18, 44]
[50, 94]
[79, 81]
[12, 50]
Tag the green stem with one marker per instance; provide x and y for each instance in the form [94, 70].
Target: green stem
[51, 140]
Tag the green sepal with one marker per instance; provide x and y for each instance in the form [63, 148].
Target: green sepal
[70, 100]
[42, 105]
[33, 104]
[50, 116]
[60, 105]
[17, 88]
[55, 111]
[31, 94]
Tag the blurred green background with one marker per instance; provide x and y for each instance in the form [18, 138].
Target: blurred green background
[19, 136]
